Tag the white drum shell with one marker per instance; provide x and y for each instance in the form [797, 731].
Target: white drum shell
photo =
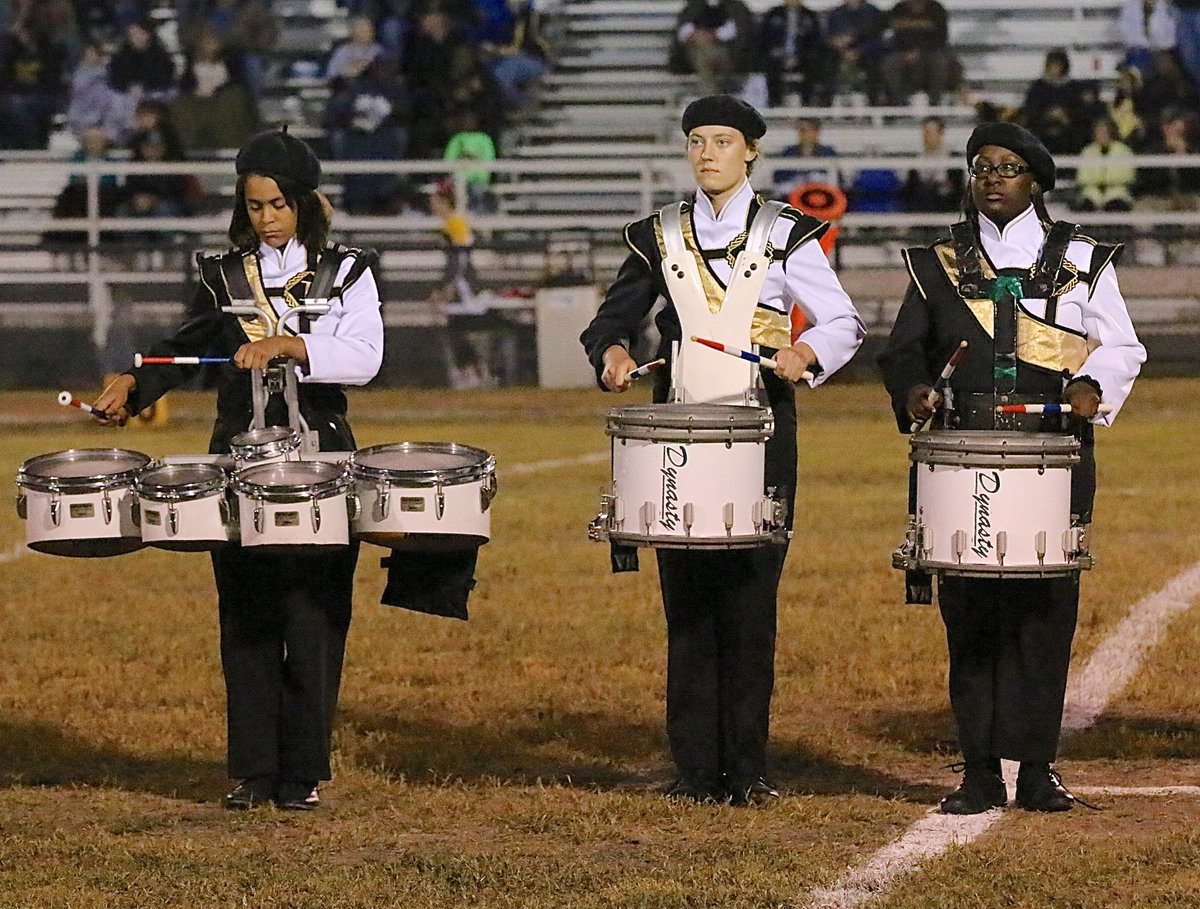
[987, 519]
[662, 483]
[422, 513]
[199, 524]
[321, 518]
[82, 530]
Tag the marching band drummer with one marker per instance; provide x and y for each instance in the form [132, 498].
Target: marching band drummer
[720, 605]
[1040, 308]
[283, 618]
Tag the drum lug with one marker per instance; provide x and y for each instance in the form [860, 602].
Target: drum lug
[1039, 546]
[647, 513]
[1001, 546]
[353, 505]
[384, 498]
[107, 507]
[689, 518]
[227, 511]
[172, 519]
[22, 506]
[259, 512]
[315, 510]
[757, 514]
[135, 511]
[55, 506]
[959, 545]
[618, 512]
[487, 491]
[727, 515]
[440, 501]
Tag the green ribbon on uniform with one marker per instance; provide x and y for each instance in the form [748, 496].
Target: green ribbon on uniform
[1007, 287]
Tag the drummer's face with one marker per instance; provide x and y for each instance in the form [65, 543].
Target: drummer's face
[718, 156]
[1001, 198]
[270, 215]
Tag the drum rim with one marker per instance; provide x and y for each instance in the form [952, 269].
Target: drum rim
[44, 483]
[658, 416]
[182, 491]
[289, 441]
[429, 476]
[244, 483]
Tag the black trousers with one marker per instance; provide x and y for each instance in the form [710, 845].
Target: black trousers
[1010, 648]
[284, 619]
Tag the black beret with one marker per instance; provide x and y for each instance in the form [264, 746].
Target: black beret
[724, 110]
[1019, 140]
[275, 153]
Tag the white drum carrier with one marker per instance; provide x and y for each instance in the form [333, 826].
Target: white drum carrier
[80, 502]
[689, 476]
[993, 504]
[185, 507]
[423, 495]
[294, 503]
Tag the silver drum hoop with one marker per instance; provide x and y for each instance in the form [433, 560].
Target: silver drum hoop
[413, 464]
[82, 469]
[986, 448]
[691, 423]
[292, 481]
[181, 482]
[256, 444]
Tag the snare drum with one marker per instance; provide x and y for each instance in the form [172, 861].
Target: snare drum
[265, 446]
[424, 495]
[185, 507]
[80, 502]
[994, 504]
[294, 503]
[689, 476]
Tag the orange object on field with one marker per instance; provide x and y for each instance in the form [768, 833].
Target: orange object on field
[824, 201]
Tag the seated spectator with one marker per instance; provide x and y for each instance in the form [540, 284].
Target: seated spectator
[215, 108]
[808, 145]
[919, 57]
[95, 103]
[473, 89]
[935, 187]
[434, 47]
[520, 56]
[157, 195]
[469, 142]
[72, 201]
[1172, 188]
[142, 67]
[1104, 182]
[1145, 26]
[1165, 87]
[713, 40]
[855, 31]
[351, 58]
[797, 59]
[368, 121]
[1122, 109]
[1187, 34]
[33, 67]
[255, 31]
[1051, 105]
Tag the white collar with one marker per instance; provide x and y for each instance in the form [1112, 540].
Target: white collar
[292, 255]
[739, 202]
[1022, 229]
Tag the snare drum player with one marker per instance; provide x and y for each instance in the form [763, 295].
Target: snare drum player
[721, 604]
[1039, 305]
[283, 618]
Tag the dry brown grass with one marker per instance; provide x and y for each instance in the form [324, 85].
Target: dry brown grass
[514, 760]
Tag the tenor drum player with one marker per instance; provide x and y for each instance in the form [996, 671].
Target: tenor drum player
[284, 617]
[720, 605]
[1039, 305]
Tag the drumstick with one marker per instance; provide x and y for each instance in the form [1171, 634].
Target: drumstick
[139, 361]
[1046, 408]
[935, 396]
[645, 369]
[764, 362]
[66, 399]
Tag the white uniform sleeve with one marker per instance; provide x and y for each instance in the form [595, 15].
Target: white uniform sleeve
[1116, 353]
[834, 330]
[346, 344]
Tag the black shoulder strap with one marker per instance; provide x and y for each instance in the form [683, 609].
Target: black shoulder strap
[233, 272]
[970, 269]
[1045, 273]
[326, 272]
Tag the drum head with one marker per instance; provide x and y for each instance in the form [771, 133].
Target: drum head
[288, 480]
[82, 468]
[266, 436]
[181, 481]
[422, 463]
[699, 422]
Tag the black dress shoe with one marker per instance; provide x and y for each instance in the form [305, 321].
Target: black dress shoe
[251, 793]
[756, 792]
[1040, 789]
[294, 796]
[981, 789]
[689, 789]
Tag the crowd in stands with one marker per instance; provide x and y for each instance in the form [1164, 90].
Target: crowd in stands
[414, 79]
[1151, 105]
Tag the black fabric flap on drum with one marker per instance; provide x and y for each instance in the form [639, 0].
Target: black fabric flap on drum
[435, 583]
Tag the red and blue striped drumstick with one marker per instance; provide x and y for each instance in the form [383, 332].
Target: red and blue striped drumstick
[139, 361]
[66, 399]
[1046, 408]
[764, 362]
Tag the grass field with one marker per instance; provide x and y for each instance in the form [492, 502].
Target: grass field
[516, 760]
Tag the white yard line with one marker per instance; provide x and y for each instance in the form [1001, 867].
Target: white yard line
[14, 553]
[1090, 691]
[520, 470]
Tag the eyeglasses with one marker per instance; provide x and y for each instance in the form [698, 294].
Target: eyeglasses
[1006, 170]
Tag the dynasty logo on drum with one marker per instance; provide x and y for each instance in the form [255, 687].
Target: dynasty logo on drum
[987, 484]
[673, 461]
